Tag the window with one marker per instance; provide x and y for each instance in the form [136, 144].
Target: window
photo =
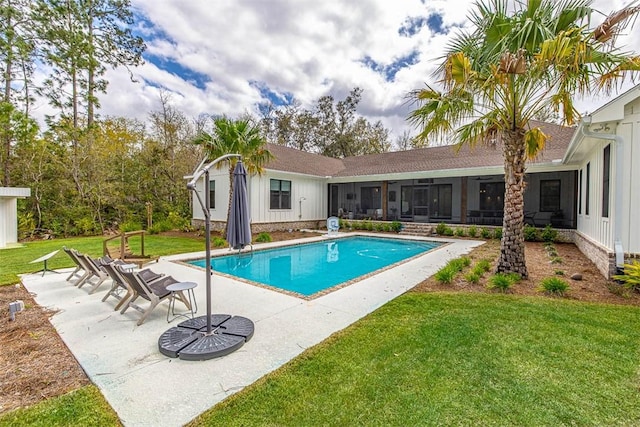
[491, 196]
[280, 194]
[370, 198]
[440, 206]
[580, 192]
[212, 194]
[606, 172]
[586, 189]
[550, 195]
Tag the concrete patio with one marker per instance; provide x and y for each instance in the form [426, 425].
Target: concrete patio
[148, 389]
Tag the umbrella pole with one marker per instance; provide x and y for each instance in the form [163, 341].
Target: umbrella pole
[203, 169]
[207, 239]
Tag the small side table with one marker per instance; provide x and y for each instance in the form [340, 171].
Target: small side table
[178, 289]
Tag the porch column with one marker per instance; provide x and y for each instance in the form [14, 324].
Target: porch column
[385, 199]
[463, 200]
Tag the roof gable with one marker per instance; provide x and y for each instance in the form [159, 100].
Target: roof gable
[614, 109]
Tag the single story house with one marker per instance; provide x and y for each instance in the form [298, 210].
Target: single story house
[583, 182]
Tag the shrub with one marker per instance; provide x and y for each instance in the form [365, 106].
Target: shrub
[441, 228]
[459, 232]
[530, 233]
[631, 276]
[130, 225]
[26, 223]
[549, 234]
[484, 265]
[160, 226]
[379, 226]
[445, 275]
[263, 237]
[502, 282]
[177, 222]
[448, 231]
[472, 277]
[473, 231]
[458, 264]
[497, 233]
[86, 227]
[556, 260]
[218, 242]
[485, 233]
[554, 285]
[559, 273]
[396, 226]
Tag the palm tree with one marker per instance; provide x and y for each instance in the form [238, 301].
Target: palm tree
[235, 137]
[520, 58]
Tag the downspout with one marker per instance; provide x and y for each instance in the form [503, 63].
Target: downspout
[617, 219]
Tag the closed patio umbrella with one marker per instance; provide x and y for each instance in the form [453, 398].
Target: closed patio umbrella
[239, 227]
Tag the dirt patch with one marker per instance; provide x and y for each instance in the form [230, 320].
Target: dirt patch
[35, 364]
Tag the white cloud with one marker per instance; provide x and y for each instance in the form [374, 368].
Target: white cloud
[306, 48]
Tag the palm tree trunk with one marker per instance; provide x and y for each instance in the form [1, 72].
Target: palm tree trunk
[512, 259]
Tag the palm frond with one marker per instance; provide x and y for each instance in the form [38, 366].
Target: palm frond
[437, 113]
[457, 70]
[534, 140]
[483, 130]
[609, 80]
[571, 12]
[615, 23]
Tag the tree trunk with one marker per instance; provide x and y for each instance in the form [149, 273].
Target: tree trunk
[512, 258]
[6, 143]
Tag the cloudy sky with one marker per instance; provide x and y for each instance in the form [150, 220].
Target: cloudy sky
[227, 57]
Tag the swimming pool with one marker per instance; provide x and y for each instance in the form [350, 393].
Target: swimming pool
[310, 268]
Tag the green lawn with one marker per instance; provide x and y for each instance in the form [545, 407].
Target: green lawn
[16, 260]
[458, 359]
[82, 407]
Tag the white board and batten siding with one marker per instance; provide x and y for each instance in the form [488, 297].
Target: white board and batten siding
[594, 225]
[629, 129]
[312, 189]
[219, 212]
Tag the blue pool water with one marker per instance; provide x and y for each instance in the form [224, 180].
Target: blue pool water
[310, 268]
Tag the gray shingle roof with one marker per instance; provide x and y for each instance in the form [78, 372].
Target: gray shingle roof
[417, 160]
[297, 161]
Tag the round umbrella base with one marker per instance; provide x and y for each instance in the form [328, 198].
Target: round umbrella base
[190, 341]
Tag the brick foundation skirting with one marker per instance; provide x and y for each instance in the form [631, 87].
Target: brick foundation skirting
[602, 257]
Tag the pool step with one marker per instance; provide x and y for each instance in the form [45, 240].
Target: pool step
[417, 229]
